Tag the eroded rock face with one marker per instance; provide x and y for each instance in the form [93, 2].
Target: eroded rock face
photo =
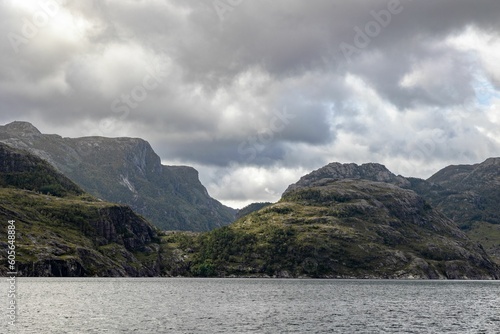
[120, 225]
[107, 243]
[127, 171]
[337, 171]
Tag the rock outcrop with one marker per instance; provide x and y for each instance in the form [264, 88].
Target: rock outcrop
[337, 171]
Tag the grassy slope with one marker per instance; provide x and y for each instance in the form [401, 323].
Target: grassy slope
[72, 233]
[488, 235]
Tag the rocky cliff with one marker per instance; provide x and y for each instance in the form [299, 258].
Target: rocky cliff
[127, 171]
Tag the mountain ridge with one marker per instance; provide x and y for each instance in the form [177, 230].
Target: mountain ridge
[336, 171]
[127, 170]
[331, 227]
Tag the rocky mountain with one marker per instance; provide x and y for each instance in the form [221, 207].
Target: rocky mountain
[127, 171]
[62, 231]
[468, 194]
[341, 225]
[337, 171]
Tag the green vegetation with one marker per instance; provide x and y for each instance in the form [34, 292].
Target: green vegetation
[326, 227]
[349, 228]
[488, 235]
[468, 194]
[251, 208]
[73, 236]
[23, 171]
[64, 232]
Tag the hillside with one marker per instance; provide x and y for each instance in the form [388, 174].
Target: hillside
[127, 171]
[343, 228]
[331, 228]
[251, 208]
[61, 231]
[468, 194]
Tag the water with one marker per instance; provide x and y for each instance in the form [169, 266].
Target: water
[95, 305]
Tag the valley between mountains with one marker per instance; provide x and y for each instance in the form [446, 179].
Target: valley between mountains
[98, 206]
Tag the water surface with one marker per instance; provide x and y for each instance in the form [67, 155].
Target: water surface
[174, 305]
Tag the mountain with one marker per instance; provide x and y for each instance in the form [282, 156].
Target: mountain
[127, 171]
[333, 228]
[337, 171]
[333, 223]
[468, 194]
[62, 231]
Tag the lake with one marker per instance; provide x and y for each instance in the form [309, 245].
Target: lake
[182, 305]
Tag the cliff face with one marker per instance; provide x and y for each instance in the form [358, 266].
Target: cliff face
[113, 242]
[69, 233]
[128, 171]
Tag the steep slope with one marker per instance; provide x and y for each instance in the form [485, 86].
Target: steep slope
[468, 194]
[128, 171]
[71, 233]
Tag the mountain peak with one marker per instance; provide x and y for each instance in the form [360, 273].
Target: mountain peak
[338, 171]
[491, 161]
[21, 128]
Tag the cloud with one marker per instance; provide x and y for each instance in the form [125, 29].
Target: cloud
[264, 92]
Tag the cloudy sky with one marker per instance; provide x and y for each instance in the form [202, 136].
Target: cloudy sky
[255, 94]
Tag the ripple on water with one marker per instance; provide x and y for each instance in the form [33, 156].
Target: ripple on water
[255, 306]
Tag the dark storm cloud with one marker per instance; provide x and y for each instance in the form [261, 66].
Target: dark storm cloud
[364, 80]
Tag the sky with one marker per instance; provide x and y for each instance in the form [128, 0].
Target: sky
[255, 94]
